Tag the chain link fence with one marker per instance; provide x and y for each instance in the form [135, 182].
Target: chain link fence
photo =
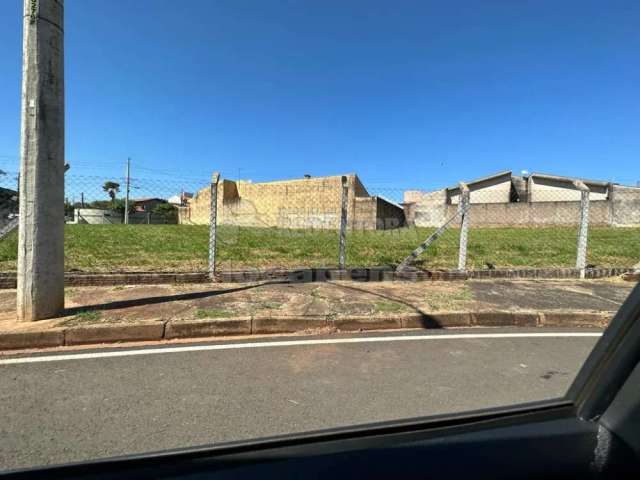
[333, 222]
[553, 222]
[270, 225]
[8, 203]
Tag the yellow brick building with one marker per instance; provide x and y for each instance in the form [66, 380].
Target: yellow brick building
[310, 202]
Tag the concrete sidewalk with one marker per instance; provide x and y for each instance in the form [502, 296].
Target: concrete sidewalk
[150, 312]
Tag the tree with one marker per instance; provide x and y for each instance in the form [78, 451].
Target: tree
[118, 206]
[168, 211]
[112, 188]
[100, 204]
[68, 208]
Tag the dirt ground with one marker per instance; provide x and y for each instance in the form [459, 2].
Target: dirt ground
[119, 304]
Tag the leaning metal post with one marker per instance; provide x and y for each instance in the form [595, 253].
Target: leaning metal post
[432, 238]
[213, 225]
[463, 208]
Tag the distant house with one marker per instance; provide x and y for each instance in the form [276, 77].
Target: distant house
[146, 204]
[180, 200]
[553, 188]
[534, 199]
[302, 203]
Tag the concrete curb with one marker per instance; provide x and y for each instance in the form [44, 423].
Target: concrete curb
[286, 324]
[353, 323]
[504, 319]
[437, 320]
[119, 332]
[207, 328]
[575, 319]
[35, 339]
[173, 329]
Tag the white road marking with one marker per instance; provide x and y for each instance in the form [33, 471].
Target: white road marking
[287, 343]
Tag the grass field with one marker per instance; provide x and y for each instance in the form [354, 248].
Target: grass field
[184, 248]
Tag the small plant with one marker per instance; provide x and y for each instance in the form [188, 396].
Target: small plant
[212, 313]
[271, 305]
[389, 307]
[87, 316]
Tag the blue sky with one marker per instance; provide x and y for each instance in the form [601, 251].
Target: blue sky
[408, 94]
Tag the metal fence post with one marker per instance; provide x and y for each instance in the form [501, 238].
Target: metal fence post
[343, 224]
[463, 208]
[128, 189]
[213, 225]
[583, 229]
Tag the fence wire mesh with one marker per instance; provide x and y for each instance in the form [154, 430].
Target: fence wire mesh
[8, 202]
[296, 224]
[276, 225]
[538, 233]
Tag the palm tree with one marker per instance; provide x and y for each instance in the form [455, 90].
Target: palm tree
[112, 188]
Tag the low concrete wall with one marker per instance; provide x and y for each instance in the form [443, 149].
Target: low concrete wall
[305, 204]
[533, 214]
[431, 210]
[312, 203]
[625, 206]
[365, 214]
[622, 209]
[375, 213]
[142, 218]
[409, 213]
[94, 216]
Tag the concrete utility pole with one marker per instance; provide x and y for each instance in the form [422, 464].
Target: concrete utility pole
[41, 226]
[126, 196]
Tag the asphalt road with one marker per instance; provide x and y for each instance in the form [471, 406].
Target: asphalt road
[70, 408]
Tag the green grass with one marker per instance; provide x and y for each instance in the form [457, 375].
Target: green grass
[212, 313]
[448, 300]
[387, 306]
[113, 248]
[86, 316]
[271, 305]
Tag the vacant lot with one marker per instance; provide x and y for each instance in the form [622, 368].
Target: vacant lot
[184, 247]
